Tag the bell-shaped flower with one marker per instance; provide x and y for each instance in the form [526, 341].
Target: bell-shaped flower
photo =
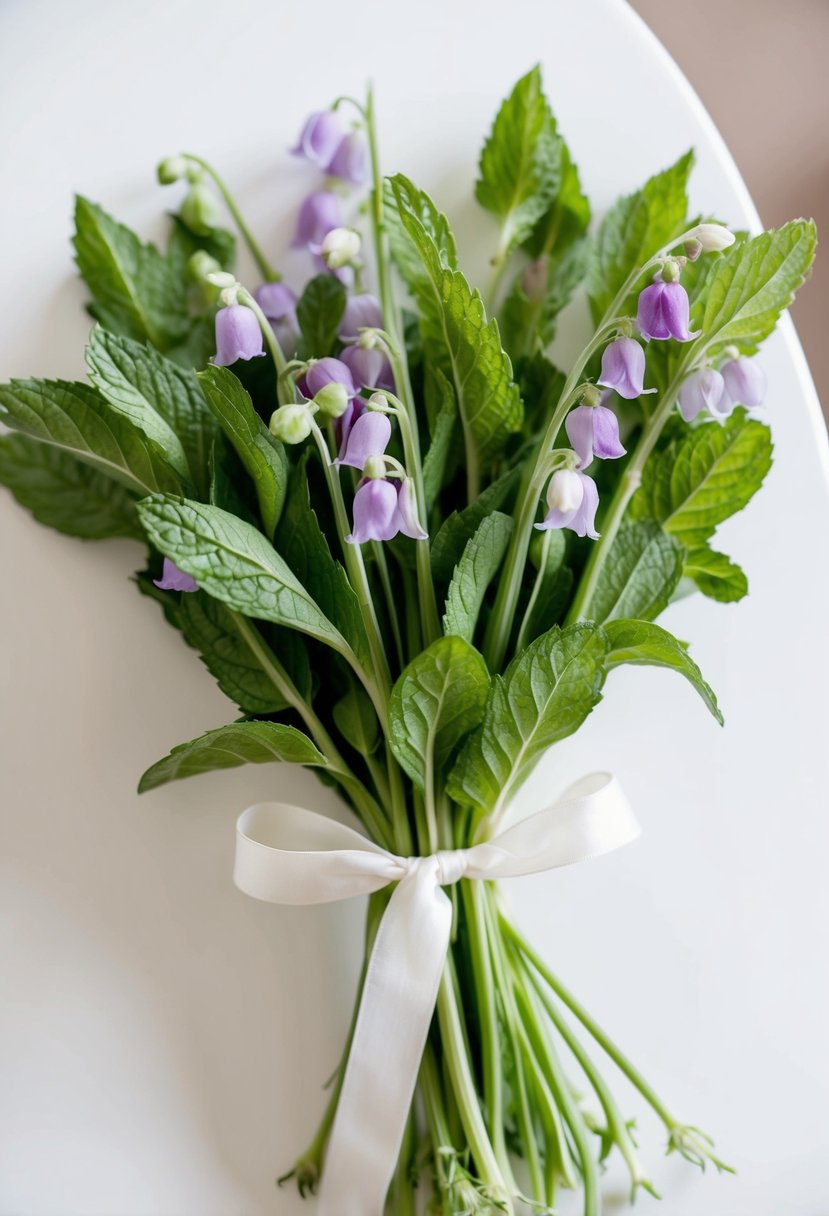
[173, 579]
[593, 430]
[319, 214]
[340, 248]
[376, 513]
[350, 159]
[572, 501]
[292, 423]
[328, 370]
[278, 303]
[361, 312]
[664, 311]
[745, 382]
[238, 335]
[368, 436]
[320, 137]
[623, 368]
[343, 425]
[369, 366]
[713, 237]
[408, 522]
[703, 390]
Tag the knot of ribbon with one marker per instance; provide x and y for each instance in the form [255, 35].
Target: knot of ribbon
[289, 855]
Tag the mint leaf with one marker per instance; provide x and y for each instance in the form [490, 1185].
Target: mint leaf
[645, 644]
[459, 527]
[437, 700]
[636, 228]
[434, 463]
[520, 162]
[640, 574]
[544, 695]
[478, 566]
[63, 493]
[234, 563]
[695, 483]
[77, 418]
[568, 216]
[716, 575]
[319, 312]
[184, 242]
[134, 288]
[433, 222]
[752, 283]
[230, 746]
[263, 457]
[466, 345]
[356, 719]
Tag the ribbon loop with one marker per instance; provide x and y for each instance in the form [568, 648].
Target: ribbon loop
[285, 854]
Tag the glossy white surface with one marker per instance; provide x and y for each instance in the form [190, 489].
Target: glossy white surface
[163, 1039]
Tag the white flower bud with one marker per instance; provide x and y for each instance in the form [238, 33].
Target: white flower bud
[340, 247]
[291, 423]
[565, 491]
[332, 399]
[713, 237]
[171, 170]
[221, 278]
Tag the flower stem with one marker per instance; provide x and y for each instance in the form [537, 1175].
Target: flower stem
[268, 272]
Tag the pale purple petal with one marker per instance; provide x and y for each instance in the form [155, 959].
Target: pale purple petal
[376, 516]
[320, 137]
[579, 427]
[173, 579]
[663, 311]
[368, 365]
[564, 496]
[319, 213]
[277, 301]
[327, 371]
[623, 368]
[369, 436]
[583, 522]
[350, 160]
[676, 310]
[238, 335]
[745, 382]
[703, 390]
[361, 312]
[343, 425]
[606, 442]
[408, 521]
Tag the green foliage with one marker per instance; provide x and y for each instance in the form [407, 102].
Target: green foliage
[556, 585]
[530, 324]
[476, 569]
[640, 574]
[404, 248]
[461, 526]
[435, 460]
[231, 746]
[716, 575]
[356, 720]
[319, 312]
[648, 645]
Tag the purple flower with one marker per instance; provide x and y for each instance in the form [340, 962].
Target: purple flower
[593, 430]
[318, 215]
[623, 368]
[238, 335]
[663, 312]
[703, 390]
[344, 424]
[376, 514]
[328, 371]
[408, 521]
[173, 579]
[745, 382]
[320, 138]
[368, 436]
[572, 500]
[278, 303]
[361, 312]
[350, 160]
[369, 366]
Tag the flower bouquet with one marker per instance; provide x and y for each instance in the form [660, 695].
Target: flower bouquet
[410, 549]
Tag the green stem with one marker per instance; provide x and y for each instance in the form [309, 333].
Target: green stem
[379, 554]
[430, 623]
[536, 592]
[268, 272]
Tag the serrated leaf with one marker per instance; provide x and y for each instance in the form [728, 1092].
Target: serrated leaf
[752, 283]
[520, 165]
[437, 700]
[435, 460]
[459, 527]
[568, 216]
[319, 312]
[478, 566]
[464, 343]
[636, 228]
[716, 575]
[134, 288]
[263, 457]
[649, 645]
[356, 719]
[230, 746]
[233, 562]
[640, 574]
[544, 695]
[64, 493]
[76, 418]
[695, 483]
[404, 251]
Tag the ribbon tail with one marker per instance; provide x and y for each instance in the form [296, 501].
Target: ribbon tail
[398, 1000]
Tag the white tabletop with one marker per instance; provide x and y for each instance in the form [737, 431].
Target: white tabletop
[163, 1039]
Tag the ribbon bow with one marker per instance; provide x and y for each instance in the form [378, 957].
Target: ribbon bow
[288, 855]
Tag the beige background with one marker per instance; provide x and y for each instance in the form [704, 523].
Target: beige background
[760, 68]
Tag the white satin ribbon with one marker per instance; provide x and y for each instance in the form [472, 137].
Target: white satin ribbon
[288, 855]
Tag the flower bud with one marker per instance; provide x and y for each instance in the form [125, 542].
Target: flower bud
[374, 468]
[200, 210]
[409, 522]
[202, 267]
[565, 491]
[670, 270]
[291, 423]
[693, 249]
[340, 247]
[713, 237]
[172, 169]
[332, 399]
[222, 279]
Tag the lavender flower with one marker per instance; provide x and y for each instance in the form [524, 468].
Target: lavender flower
[593, 430]
[376, 514]
[408, 521]
[361, 312]
[368, 436]
[663, 312]
[278, 303]
[369, 366]
[238, 335]
[327, 371]
[745, 382]
[319, 214]
[703, 390]
[344, 424]
[320, 138]
[623, 368]
[350, 160]
[572, 500]
[173, 579]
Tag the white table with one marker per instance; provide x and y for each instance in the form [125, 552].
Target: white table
[162, 1038]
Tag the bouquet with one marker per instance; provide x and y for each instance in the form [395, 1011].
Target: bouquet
[410, 549]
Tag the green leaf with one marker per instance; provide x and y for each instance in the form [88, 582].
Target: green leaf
[434, 463]
[636, 228]
[465, 344]
[76, 418]
[556, 585]
[568, 216]
[648, 645]
[544, 695]
[695, 483]
[234, 563]
[459, 527]
[520, 163]
[528, 324]
[716, 575]
[356, 719]
[403, 247]
[64, 493]
[264, 457]
[437, 700]
[640, 574]
[478, 566]
[159, 398]
[319, 312]
[184, 242]
[230, 746]
[541, 384]
[751, 285]
[209, 627]
[134, 288]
